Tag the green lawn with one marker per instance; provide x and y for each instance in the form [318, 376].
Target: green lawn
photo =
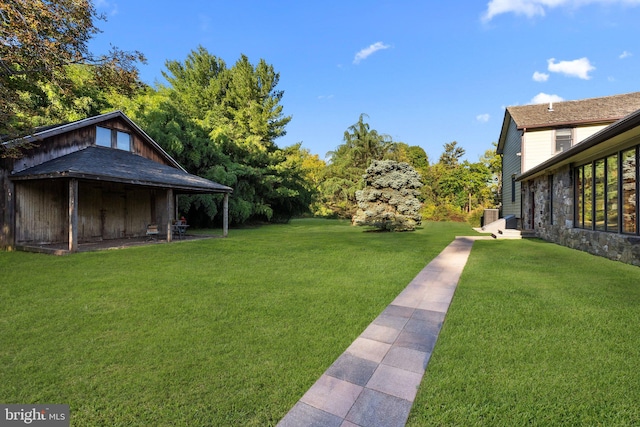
[212, 332]
[537, 334]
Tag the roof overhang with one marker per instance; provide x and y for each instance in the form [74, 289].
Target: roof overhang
[113, 165]
[620, 135]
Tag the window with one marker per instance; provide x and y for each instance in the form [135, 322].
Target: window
[629, 186]
[588, 196]
[599, 194]
[579, 221]
[123, 141]
[612, 193]
[113, 138]
[103, 137]
[563, 140]
[605, 193]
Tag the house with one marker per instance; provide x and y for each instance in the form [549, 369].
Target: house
[95, 179]
[532, 134]
[586, 197]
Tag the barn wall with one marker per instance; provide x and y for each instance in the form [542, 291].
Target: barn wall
[113, 211]
[42, 211]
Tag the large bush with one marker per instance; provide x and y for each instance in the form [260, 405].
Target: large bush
[389, 200]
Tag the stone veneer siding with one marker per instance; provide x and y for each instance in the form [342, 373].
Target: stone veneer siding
[615, 246]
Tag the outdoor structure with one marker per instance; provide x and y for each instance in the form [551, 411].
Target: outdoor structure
[95, 179]
[532, 134]
[586, 197]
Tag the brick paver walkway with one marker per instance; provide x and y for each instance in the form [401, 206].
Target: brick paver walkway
[374, 382]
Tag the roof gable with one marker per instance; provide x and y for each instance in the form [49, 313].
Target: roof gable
[53, 131]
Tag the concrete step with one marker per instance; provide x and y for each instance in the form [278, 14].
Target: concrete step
[512, 234]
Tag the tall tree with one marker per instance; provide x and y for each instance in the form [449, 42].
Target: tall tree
[348, 163]
[38, 40]
[452, 154]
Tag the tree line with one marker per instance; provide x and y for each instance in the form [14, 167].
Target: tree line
[220, 122]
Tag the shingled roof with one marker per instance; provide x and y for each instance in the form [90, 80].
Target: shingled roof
[592, 111]
[108, 164]
[606, 109]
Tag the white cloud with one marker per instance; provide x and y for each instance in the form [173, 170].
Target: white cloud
[112, 8]
[325, 97]
[625, 54]
[531, 8]
[205, 23]
[540, 77]
[577, 68]
[545, 98]
[483, 118]
[368, 51]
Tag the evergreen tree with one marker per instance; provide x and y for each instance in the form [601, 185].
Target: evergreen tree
[389, 200]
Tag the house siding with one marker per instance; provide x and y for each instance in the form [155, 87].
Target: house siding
[582, 133]
[511, 167]
[538, 146]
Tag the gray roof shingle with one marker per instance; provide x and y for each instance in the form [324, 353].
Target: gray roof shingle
[605, 109]
[109, 164]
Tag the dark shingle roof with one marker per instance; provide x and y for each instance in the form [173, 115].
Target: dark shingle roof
[605, 109]
[109, 164]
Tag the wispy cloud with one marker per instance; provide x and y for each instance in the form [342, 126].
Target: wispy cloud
[368, 51]
[540, 77]
[625, 54]
[545, 98]
[483, 118]
[205, 23]
[532, 8]
[579, 68]
[325, 97]
[110, 7]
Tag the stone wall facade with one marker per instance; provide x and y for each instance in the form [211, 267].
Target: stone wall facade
[547, 209]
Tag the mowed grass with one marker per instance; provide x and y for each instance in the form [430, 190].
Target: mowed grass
[203, 333]
[537, 334]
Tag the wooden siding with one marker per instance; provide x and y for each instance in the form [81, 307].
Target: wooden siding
[54, 147]
[538, 146]
[7, 212]
[42, 211]
[511, 166]
[111, 211]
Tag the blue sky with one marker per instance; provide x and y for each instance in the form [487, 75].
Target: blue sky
[425, 72]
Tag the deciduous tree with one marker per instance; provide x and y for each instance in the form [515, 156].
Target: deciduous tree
[38, 40]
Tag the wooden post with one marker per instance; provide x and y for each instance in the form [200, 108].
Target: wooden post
[225, 215]
[73, 215]
[170, 212]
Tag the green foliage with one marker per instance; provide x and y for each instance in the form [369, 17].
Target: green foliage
[343, 176]
[389, 200]
[40, 40]
[453, 189]
[221, 123]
